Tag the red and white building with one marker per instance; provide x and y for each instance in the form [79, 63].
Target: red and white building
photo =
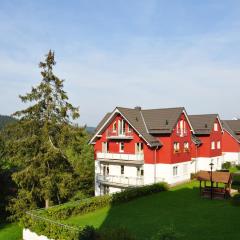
[207, 142]
[231, 141]
[135, 147]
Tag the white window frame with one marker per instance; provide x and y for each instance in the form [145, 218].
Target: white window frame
[175, 171]
[122, 169]
[114, 129]
[139, 148]
[121, 144]
[215, 127]
[218, 144]
[213, 145]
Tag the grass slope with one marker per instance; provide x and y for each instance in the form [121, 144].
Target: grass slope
[195, 218]
[10, 232]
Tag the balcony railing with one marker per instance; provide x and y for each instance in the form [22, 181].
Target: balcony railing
[120, 180]
[111, 134]
[182, 132]
[120, 156]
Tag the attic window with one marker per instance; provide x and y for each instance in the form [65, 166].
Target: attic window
[206, 125]
[136, 119]
[166, 122]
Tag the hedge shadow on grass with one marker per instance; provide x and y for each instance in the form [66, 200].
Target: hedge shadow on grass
[193, 217]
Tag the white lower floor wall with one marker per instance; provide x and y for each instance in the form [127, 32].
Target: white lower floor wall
[233, 157]
[202, 163]
[29, 235]
[149, 173]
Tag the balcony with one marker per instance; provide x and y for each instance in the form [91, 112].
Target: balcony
[120, 180]
[120, 156]
[122, 135]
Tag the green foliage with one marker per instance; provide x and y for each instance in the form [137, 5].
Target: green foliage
[133, 193]
[236, 200]
[80, 207]
[66, 210]
[236, 179]
[5, 120]
[226, 165]
[237, 167]
[35, 145]
[166, 233]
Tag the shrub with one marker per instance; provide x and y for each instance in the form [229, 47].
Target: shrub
[166, 233]
[236, 179]
[133, 193]
[237, 167]
[226, 165]
[41, 221]
[91, 204]
[236, 200]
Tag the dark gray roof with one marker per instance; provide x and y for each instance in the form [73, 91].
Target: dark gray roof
[102, 122]
[135, 118]
[149, 122]
[233, 127]
[162, 120]
[203, 124]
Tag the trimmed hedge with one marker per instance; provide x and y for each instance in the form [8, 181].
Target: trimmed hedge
[42, 221]
[91, 204]
[226, 165]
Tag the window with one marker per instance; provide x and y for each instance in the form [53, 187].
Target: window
[139, 148]
[122, 169]
[175, 170]
[215, 127]
[176, 146]
[218, 145]
[121, 127]
[140, 172]
[212, 145]
[129, 128]
[114, 127]
[105, 147]
[186, 146]
[121, 147]
[105, 170]
[105, 189]
[182, 128]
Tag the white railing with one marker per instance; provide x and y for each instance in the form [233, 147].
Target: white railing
[120, 156]
[116, 134]
[122, 180]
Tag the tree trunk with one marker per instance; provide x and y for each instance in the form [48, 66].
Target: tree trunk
[46, 203]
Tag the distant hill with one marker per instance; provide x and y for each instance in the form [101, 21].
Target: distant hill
[90, 129]
[4, 120]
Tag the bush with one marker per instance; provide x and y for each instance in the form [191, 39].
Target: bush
[80, 207]
[236, 179]
[236, 200]
[133, 193]
[166, 233]
[237, 167]
[226, 165]
[91, 204]
[42, 221]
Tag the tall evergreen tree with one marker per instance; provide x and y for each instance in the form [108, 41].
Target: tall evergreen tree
[44, 173]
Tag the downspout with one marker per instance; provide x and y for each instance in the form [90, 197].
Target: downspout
[155, 163]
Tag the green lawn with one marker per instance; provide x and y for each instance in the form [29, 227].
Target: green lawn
[195, 218]
[10, 232]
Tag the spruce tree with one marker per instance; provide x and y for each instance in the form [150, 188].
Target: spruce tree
[44, 174]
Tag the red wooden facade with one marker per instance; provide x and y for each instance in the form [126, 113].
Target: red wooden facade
[164, 154]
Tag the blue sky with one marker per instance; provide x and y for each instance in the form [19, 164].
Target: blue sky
[125, 53]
